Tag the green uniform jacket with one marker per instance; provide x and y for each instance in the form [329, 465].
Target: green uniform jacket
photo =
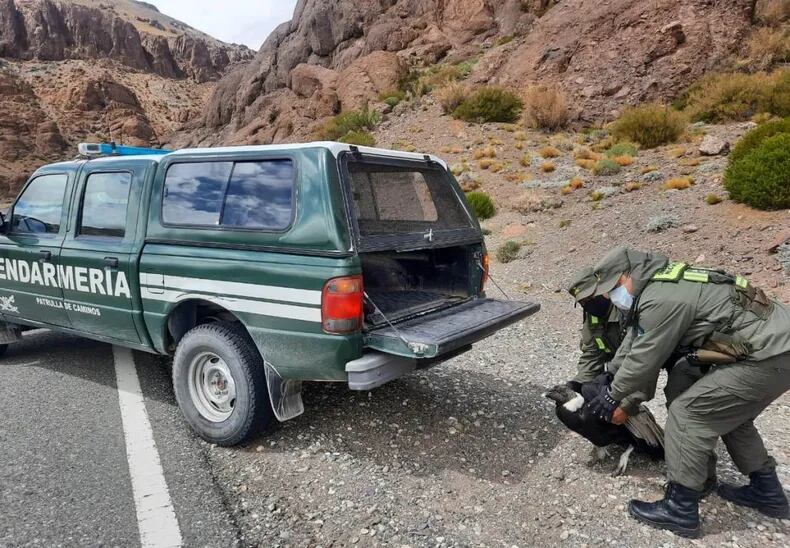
[600, 339]
[688, 314]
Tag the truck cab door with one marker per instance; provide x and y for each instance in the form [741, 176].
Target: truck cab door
[100, 251]
[30, 252]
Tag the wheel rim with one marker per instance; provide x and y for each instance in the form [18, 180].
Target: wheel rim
[211, 387]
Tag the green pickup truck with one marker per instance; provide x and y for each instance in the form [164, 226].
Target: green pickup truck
[256, 267]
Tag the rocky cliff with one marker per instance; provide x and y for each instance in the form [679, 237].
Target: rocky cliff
[90, 70]
[335, 55]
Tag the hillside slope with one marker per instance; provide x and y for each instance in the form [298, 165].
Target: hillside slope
[86, 69]
[334, 56]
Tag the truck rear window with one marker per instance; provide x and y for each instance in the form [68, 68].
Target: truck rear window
[249, 195]
[392, 199]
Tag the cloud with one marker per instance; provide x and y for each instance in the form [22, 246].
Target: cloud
[246, 22]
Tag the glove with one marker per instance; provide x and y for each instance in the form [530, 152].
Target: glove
[603, 405]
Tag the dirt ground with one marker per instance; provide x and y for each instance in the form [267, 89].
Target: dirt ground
[469, 453]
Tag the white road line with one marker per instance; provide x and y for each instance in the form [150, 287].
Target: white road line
[156, 518]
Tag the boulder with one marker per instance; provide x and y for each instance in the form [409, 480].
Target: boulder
[369, 76]
[713, 146]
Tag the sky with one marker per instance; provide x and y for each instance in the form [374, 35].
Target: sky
[246, 22]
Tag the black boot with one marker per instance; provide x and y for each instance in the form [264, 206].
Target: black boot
[710, 486]
[764, 493]
[677, 512]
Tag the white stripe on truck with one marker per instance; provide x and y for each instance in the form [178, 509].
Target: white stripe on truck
[275, 310]
[217, 287]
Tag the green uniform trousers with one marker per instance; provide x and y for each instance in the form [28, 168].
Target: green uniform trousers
[723, 403]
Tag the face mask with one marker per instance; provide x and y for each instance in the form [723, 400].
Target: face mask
[621, 298]
[598, 306]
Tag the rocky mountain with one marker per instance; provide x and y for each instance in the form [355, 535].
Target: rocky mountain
[88, 69]
[336, 55]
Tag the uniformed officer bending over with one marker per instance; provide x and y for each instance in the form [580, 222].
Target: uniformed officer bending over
[744, 337]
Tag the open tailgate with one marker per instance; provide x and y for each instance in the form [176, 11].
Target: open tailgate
[439, 333]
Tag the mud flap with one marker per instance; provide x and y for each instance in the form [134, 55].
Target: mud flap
[9, 334]
[285, 395]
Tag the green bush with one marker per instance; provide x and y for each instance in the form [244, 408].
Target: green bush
[649, 125]
[482, 205]
[490, 104]
[623, 148]
[361, 138]
[605, 166]
[755, 137]
[392, 98]
[344, 123]
[761, 179]
[508, 251]
[735, 96]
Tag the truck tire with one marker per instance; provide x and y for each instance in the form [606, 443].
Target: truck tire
[220, 384]
[3, 349]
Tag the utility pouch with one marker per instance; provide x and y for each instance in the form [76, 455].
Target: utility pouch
[721, 348]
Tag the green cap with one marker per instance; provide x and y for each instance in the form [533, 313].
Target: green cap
[606, 275]
[582, 283]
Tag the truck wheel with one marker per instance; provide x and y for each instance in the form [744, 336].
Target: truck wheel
[220, 384]
[3, 349]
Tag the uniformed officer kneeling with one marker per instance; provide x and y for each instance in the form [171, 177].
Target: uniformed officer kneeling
[739, 335]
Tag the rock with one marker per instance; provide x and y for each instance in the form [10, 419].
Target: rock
[660, 223]
[781, 239]
[713, 146]
[689, 229]
[369, 76]
[653, 177]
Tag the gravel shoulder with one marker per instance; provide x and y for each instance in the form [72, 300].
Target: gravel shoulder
[469, 453]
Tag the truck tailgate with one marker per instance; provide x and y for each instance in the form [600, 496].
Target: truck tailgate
[439, 333]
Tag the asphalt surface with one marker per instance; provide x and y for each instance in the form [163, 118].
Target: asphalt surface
[65, 475]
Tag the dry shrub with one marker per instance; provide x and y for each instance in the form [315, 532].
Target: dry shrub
[606, 166]
[735, 96]
[561, 142]
[585, 153]
[456, 150]
[676, 152]
[495, 141]
[519, 145]
[566, 190]
[547, 167]
[767, 47]
[632, 186]
[487, 152]
[485, 163]
[526, 160]
[586, 164]
[648, 169]
[545, 107]
[624, 160]
[689, 162]
[677, 183]
[452, 95]
[576, 183]
[649, 125]
[773, 12]
[520, 135]
[712, 199]
[496, 167]
[550, 152]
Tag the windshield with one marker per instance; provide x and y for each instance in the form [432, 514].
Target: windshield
[404, 200]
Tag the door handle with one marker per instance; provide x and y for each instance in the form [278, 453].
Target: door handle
[111, 262]
[45, 256]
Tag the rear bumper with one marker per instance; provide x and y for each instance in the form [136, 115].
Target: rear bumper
[374, 368]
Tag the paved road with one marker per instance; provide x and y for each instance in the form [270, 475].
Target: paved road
[66, 456]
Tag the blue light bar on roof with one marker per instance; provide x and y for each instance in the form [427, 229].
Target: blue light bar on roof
[111, 149]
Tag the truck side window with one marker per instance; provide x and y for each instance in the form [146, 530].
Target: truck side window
[251, 195]
[260, 195]
[38, 209]
[104, 204]
[194, 193]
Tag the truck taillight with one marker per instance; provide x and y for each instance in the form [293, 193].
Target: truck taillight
[486, 264]
[341, 305]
